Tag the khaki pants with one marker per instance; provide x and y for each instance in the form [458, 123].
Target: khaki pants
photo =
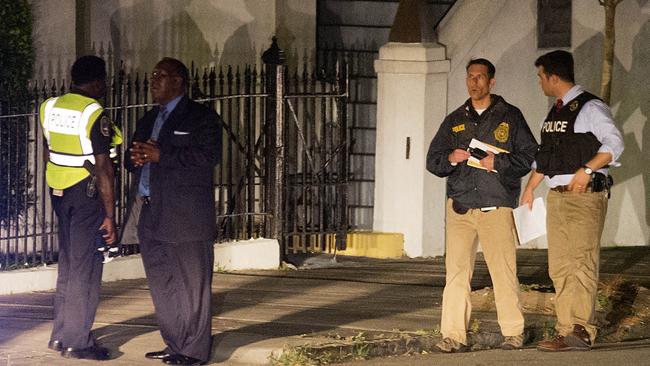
[495, 231]
[574, 225]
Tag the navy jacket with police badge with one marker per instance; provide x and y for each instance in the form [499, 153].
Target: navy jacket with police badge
[502, 125]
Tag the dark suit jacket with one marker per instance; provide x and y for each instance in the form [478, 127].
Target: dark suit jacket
[182, 207]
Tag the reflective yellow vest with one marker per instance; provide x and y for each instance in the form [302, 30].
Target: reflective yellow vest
[67, 121]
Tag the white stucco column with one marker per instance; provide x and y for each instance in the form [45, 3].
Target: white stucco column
[54, 38]
[411, 104]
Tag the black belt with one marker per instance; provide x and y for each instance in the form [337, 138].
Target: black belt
[461, 210]
[599, 182]
[562, 189]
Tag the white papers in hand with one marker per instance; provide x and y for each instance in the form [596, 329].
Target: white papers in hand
[530, 224]
[474, 143]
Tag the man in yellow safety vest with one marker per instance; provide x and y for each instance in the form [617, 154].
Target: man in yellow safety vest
[80, 175]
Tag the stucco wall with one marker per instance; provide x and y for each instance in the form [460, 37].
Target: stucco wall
[54, 54]
[504, 31]
[208, 32]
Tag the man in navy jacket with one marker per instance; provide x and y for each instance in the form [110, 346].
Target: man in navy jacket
[480, 202]
[175, 148]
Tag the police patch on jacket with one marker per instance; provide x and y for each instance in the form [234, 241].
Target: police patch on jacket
[574, 105]
[502, 132]
[105, 126]
[458, 128]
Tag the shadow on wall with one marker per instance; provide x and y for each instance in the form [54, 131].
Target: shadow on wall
[176, 36]
[182, 35]
[239, 48]
[634, 100]
[295, 53]
[630, 100]
[141, 32]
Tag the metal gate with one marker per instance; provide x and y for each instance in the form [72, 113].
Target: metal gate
[283, 175]
[284, 169]
[309, 165]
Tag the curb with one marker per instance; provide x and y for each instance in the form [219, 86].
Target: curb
[43, 278]
[329, 351]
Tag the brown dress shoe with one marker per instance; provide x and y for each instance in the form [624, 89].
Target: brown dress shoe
[556, 344]
[579, 339]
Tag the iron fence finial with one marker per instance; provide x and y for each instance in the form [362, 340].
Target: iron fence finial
[274, 55]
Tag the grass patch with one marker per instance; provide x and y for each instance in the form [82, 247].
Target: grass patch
[435, 332]
[549, 330]
[354, 347]
[220, 269]
[475, 326]
[297, 356]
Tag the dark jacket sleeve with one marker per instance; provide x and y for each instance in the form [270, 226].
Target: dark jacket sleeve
[518, 162]
[127, 161]
[439, 149]
[141, 134]
[204, 149]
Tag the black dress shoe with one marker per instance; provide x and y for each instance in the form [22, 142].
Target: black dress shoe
[181, 360]
[90, 353]
[55, 345]
[157, 355]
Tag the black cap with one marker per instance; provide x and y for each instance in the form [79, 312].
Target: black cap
[87, 69]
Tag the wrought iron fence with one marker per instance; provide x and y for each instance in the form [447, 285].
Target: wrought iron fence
[284, 170]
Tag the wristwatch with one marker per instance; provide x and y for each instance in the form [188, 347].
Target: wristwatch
[587, 169]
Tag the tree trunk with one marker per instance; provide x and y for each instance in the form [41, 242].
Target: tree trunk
[608, 48]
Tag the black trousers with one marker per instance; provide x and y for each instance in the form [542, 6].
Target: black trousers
[79, 266]
[180, 280]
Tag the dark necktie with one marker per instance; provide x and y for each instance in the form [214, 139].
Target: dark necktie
[558, 105]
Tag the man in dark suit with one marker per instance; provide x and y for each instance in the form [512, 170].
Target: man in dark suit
[175, 148]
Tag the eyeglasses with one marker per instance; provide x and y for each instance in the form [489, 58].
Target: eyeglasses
[160, 75]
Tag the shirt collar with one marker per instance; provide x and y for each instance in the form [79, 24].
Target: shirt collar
[572, 94]
[169, 107]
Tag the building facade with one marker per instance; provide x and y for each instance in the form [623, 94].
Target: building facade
[215, 32]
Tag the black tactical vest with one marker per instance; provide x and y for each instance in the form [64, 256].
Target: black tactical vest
[562, 150]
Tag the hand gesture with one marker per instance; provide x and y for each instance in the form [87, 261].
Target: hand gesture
[458, 156]
[579, 182]
[144, 152]
[488, 161]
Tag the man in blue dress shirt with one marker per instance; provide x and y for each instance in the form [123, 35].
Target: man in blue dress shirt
[579, 142]
[175, 148]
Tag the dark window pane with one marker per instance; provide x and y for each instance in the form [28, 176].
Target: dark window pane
[553, 23]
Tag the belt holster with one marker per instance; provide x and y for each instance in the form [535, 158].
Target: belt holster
[601, 182]
[458, 208]
[91, 187]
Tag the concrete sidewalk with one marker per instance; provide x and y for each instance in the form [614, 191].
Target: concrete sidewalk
[257, 313]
